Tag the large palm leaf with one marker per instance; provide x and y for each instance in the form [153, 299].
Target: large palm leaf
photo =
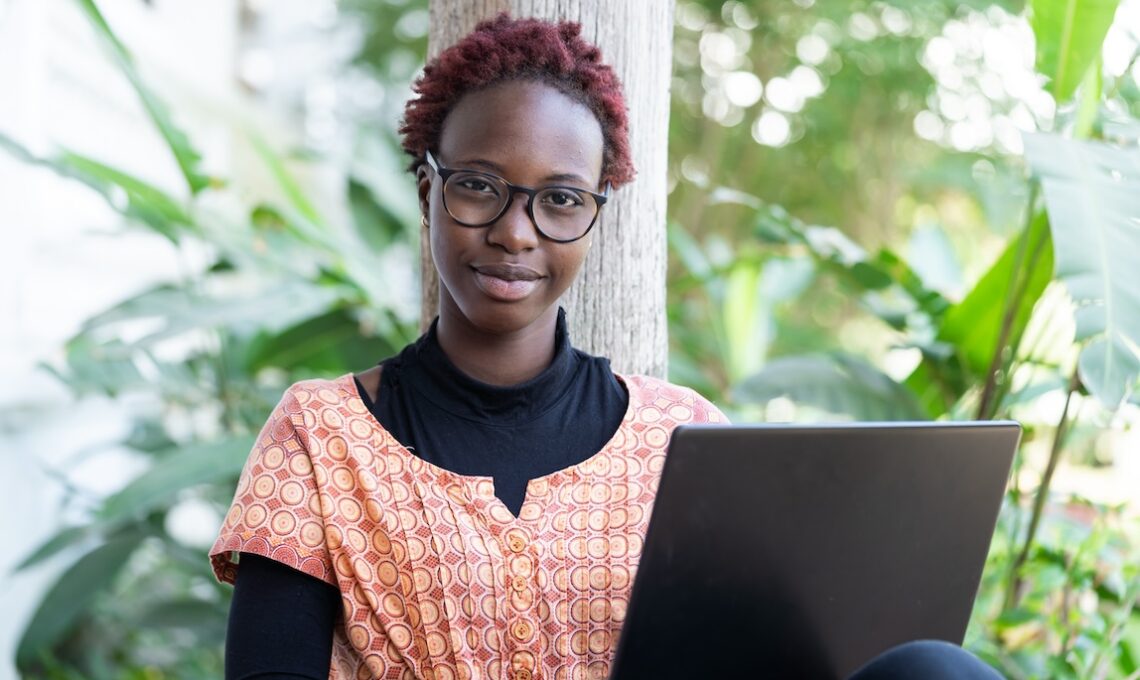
[1092, 194]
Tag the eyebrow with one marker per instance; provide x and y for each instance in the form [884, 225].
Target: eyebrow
[498, 169]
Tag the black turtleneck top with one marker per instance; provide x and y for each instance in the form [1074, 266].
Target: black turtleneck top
[513, 434]
[281, 620]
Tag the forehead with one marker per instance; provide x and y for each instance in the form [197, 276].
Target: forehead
[526, 126]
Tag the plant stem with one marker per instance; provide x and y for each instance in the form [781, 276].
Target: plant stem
[1041, 496]
[1002, 390]
[1017, 284]
[1015, 496]
[1066, 596]
[1101, 660]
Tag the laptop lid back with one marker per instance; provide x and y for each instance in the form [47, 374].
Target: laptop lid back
[805, 551]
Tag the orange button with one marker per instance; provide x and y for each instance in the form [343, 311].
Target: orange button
[516, 543]
[519, 583]
[523, 674]
[522, 630]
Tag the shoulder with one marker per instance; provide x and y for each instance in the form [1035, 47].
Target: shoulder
[684, 404]
[320, 413]
[316, 393]
[305, 403]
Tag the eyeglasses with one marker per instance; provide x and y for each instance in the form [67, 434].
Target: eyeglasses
[476, 199]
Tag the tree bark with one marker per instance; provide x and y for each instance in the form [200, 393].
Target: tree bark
[616, 308]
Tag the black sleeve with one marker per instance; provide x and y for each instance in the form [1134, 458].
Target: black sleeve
[281, 623]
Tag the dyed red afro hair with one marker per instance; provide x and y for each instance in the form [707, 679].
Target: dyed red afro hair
[504, 49]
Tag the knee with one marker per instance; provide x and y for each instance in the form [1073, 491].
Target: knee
[926, 660]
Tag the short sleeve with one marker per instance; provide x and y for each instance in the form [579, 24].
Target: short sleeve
[684, 405]
[276, 512]
[705, 411]
[694, 408]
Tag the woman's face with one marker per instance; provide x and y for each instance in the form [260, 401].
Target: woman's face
[504, 277]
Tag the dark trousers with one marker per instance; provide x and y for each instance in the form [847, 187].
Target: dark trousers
[926, 660]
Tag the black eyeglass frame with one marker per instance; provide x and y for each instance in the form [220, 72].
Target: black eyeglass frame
[444, 173]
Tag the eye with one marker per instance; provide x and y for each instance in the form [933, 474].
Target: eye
[563, 198]
[475, 185]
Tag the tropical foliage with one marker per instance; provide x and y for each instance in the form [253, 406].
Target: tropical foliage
[787, 116]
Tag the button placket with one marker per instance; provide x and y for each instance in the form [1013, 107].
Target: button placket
[522, 666]
[521, 630]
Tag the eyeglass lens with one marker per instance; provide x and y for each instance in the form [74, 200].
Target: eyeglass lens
[476, 199]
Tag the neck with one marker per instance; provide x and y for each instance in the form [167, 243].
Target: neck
[497, 358]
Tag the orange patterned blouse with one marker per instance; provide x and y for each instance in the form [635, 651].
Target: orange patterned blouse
[438, 579]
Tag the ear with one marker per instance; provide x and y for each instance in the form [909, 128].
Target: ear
[423, 188]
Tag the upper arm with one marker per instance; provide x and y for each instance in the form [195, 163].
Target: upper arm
[281, 623]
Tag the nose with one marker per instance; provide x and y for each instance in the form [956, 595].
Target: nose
[514, 231]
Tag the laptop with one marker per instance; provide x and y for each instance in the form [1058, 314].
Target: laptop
[789, 551]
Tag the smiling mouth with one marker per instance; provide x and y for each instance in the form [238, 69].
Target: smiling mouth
[508, 272]
[506, 282]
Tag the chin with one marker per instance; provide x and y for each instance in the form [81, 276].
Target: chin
[502, 317]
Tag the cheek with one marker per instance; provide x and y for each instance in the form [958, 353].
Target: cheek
[571, 258]
[444, 249]
[441, 236]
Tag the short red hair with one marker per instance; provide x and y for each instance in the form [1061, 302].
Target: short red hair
[503, 49]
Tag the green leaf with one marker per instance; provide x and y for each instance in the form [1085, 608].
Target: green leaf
[176, 310]
[972, 327]
[1012, 618]
[333, 342]
[1130, 645]
[1069, 36]
[996, 183]
[17, 150]
[838, 384]
[1088, 107]
[201, 463]
[1053, 382]
[105, 368]
[937, 383]
[179, 144]
[62, 540]
[870, 277]
[72, 594]
[206, 619]
[1092, 193]
[689, 252]
[125, 193]
[293, 191]
[149, 434]
[143, 201]
[753, 289]
[375, 223]
[931, 302]
[747, 320]
[890, 286]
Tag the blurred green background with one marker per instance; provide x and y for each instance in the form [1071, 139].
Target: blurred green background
[877, 210]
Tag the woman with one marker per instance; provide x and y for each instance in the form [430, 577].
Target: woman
[475, 506]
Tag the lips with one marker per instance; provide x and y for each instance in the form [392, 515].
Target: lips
[505, 281]
[508, 272]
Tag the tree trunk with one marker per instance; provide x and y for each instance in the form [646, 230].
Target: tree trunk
[616, 308]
